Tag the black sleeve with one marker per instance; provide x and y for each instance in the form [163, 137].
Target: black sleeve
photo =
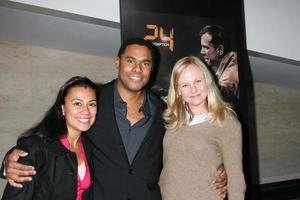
[35, 148]
[2, 166]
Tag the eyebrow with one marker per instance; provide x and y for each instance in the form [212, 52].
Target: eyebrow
[145, 60]
[77, 99]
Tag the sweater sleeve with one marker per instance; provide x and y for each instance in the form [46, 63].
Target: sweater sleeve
[34, 146]
[232, 158]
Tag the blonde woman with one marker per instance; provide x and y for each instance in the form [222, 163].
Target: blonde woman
[202, 134]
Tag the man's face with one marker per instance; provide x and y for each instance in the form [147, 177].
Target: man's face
[208, 51]
[134, 68]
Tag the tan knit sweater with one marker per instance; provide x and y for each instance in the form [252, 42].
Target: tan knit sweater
[192, 156]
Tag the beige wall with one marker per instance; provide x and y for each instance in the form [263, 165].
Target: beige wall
[29, 81]
[30, 78]
[278, 132]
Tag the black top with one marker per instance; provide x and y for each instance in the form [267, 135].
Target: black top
[56, 169]
[114, 177]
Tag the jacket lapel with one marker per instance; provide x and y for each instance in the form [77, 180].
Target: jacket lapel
[105, 131]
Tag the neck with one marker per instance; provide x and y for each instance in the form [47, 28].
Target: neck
[130, 96]
[73, 139]
[217, 61]
[199, 109]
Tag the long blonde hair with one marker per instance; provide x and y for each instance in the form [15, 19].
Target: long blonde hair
[177, 114]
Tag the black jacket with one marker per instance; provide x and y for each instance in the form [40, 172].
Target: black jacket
[56, 168]
[114, 177]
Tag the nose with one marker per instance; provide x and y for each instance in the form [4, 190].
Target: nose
[202, 51]
[137, 67]
[193, 88]
[86, 110]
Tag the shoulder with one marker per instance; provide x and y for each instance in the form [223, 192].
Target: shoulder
[31, 142]
[231, 120]
[231, 126]
[35, 146]
[179, 131]
[106, 87]
[155, 99]
[106, 92]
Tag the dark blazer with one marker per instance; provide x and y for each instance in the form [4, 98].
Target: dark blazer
[114, 177]
[56, 168]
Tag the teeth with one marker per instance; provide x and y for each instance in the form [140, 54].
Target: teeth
[135, 78]
[83, 120]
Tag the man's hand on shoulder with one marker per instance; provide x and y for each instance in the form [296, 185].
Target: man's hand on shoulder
[17, 173]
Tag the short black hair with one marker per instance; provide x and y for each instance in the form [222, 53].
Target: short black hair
[142, 42]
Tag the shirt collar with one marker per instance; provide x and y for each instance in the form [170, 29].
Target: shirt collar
[118, 101]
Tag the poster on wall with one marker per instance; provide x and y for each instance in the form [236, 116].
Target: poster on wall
[181, 30]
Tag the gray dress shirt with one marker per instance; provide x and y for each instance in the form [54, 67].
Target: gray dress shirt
[132, 135]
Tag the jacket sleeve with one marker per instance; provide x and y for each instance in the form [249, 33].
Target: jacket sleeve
[2, 166]
[34, 146]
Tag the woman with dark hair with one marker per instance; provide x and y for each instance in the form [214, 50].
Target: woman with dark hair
[56, 148]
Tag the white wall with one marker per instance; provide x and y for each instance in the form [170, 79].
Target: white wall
[272, 26]
[101, 9]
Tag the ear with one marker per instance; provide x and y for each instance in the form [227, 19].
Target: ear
[63, 110]
[220, 50]
[117, 62]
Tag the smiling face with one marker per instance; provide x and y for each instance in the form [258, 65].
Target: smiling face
[79, 109]
[193, 89]
[134, 68]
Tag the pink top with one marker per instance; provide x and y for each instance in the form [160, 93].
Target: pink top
[82, 185]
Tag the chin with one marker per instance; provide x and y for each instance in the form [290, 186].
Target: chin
[83, 129]
[196, 103]
[136, 88]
